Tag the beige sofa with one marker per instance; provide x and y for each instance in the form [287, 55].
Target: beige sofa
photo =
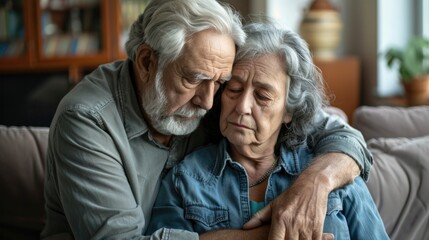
[22, 154]
[399, 181]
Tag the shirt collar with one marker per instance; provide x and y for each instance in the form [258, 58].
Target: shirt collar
[134, 123]
[292, 161]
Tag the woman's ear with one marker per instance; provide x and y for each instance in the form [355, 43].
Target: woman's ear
[145, 64]
[287, 118]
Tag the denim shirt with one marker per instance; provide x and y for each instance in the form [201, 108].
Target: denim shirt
[208, 191]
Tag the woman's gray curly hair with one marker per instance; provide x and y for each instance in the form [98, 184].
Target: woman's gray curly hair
[306, 95]
[166, 25]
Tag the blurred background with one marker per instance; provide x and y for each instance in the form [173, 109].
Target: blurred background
[47, 46]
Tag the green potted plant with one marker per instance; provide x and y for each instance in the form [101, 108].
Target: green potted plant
[413, 67]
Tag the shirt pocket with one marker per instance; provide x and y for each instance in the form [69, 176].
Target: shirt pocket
[207, 218]
[335, 204]
[335, 221]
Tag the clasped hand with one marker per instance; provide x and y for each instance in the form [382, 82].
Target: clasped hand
[298, 213]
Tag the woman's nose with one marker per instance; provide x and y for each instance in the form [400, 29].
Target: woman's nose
[244, 103]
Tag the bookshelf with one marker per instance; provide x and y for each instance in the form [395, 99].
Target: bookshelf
[73, 35]
[64, 35]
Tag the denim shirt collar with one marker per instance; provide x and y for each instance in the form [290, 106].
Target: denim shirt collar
[292, 161]
[296, 160]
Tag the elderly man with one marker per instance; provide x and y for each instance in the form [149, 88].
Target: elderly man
[124, 125]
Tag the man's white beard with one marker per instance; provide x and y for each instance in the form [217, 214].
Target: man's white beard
[155, 105]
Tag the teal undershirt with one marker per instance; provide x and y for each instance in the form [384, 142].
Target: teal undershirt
[256, 206]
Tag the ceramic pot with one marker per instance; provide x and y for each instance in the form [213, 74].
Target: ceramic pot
[417, 91]
[321, 27]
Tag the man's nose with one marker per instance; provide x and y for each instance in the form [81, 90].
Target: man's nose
[204, 95]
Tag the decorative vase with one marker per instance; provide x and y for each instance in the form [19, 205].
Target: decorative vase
[321, 27]
[417, 91]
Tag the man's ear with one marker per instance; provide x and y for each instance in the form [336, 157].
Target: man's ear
[145, 63]
[287, 118]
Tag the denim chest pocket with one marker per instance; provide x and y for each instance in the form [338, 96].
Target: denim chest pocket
[207, 218]
[334, 204]
[335, 221]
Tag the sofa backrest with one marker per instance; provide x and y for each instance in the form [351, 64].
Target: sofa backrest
[392, 122]
[22, 161]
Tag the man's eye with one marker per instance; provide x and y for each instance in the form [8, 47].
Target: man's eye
[193, 81]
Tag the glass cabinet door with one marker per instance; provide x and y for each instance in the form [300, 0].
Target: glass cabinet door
[130, 11]
[12, 29]
[70, 27]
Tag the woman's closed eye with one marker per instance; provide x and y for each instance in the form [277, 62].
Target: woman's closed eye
[263, 96]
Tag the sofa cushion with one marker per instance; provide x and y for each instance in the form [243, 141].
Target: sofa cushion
[390, 122]
[22, 151]
[399, 183]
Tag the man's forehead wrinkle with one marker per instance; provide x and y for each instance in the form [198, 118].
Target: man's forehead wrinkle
[202, 76]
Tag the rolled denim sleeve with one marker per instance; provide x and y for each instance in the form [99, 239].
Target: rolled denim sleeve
[333, 134]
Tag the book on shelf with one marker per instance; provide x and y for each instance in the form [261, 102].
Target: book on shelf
[63, 47]
[11, 25]
[62, 4]
[50, 46]
[12, 48]
[68, 44]
[86, 44]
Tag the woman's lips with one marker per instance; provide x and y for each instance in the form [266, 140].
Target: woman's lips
[239, 125]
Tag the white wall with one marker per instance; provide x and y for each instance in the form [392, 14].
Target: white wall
[286, 12]
[395, 25]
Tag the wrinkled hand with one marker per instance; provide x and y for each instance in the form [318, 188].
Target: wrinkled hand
[298, 213]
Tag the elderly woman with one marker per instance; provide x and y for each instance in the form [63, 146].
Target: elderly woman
[268, 109]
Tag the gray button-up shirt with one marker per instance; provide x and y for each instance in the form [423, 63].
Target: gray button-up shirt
[103, 168]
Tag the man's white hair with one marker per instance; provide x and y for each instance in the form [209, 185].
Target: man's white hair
[166, 25]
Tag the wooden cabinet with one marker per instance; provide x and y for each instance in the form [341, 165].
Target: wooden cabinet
[342, 82]
[58, 35]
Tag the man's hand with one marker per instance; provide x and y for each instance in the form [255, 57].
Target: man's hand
[299, 212]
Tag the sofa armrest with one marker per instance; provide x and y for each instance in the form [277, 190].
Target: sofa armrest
[22, 160]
